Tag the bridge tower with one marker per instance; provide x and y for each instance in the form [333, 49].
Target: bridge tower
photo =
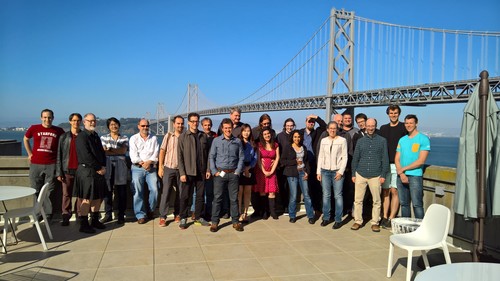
[160, 114]
[340, 56]
[192, 98]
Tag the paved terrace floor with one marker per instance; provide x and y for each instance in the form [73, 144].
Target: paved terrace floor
[266, 250]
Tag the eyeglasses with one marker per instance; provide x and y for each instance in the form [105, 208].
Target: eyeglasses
[90, 121]
[144, 126]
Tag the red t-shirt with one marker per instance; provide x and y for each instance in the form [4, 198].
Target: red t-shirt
[45, 141]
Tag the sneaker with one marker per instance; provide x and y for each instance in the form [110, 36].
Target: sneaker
[162, 223]
[201, 222]
[106, 218]
[337, 225]
[177, 219]
[183, 224]
[386, 223]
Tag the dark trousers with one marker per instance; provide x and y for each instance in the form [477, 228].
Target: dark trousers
[229, 182]
[209, 198]
[120, 196]
[67, 193]
[186, 196]
[170, 179]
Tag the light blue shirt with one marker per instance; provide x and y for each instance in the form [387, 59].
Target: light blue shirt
[409, 150]
[226, 154]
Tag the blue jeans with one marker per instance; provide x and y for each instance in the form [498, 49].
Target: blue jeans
[292, 202]
[139, 176]
[412, 192]
[230, 183]
[327, 182]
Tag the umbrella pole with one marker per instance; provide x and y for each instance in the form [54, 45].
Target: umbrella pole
[481, 172]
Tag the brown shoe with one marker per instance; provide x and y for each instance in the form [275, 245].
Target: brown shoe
[141, 221]
[238, 226]
[375, 228]
[213, 227]
[355, 226]
[177, 219]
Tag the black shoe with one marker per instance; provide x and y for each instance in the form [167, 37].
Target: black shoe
[106, 218]
[96, 223]
[337, 225]
[265, 216]
[293, 220]
[225, 216]
[65, 221]
[324, 223]
[84, 225]
[274, 216]
[312, 221]
[121, 220]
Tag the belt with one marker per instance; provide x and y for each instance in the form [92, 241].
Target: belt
[140, 166]
[227, 170]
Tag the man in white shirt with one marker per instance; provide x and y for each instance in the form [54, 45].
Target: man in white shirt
[144, 157]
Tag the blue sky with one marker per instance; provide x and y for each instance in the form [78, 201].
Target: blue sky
[121, 58]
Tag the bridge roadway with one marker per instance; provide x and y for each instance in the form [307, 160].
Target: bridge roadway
[448, 92]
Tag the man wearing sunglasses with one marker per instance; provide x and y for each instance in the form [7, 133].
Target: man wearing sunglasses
[144, 157]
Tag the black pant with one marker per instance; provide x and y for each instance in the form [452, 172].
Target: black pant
[186, 196]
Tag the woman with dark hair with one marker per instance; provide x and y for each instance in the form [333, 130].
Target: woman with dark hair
[247, 178]
[115, 146]
[296, 169]
[264, 121]
[267, 183]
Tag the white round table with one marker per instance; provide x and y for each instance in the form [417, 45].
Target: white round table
[462, 271]
[9, 192]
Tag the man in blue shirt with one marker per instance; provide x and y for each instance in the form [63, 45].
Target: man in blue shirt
[226, 163]
[411, 153]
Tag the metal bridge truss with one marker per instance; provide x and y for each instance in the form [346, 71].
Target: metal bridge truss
[449, 92]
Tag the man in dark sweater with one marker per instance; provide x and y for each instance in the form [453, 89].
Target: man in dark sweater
[370, 165]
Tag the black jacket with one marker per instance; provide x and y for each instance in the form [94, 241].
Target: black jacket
[63, 154]
[288, 161]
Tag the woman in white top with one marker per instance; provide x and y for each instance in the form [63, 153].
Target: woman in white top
[332, 161]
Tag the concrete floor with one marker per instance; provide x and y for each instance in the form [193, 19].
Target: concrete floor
[266, 250]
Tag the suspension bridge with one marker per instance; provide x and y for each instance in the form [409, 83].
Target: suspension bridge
[351, 61]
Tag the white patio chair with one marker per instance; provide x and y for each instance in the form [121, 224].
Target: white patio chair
[430, 235]
[32, 212]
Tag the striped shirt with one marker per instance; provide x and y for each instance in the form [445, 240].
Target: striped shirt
[371, 158]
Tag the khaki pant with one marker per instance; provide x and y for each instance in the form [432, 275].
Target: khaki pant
[359, 195]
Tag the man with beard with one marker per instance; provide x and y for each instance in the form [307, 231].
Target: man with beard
[90, 183]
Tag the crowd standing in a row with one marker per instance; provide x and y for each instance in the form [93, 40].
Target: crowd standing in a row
[217, 175]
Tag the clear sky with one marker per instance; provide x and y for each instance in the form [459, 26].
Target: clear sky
[121, 58]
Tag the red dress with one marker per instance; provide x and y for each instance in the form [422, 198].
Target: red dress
[266, 184]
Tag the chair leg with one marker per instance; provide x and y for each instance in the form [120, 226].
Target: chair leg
[40, 234]
[389, 261]
[5, 230]
[446, 253]
[426, 260]
[408, 266]
[47, 224]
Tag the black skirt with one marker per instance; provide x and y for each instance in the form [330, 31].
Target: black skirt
[89, 184]
[248, 181]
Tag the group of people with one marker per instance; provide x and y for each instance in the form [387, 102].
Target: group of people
[207, 176]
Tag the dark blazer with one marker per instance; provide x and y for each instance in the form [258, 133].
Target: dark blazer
[316, 134]
[187, 156]
[288, 161]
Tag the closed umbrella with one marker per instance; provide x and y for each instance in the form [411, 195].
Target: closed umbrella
[471, 184]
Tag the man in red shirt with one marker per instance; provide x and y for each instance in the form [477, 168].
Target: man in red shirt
[43, 155]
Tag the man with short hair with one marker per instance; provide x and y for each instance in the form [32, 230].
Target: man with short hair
[144, 157]
[348, 125]
[411, 153]
[192, 154]
[392, 132]
[43, 155]
[361, 122]
[235, 116]
[168, 170]
[226, 163]
[370, 165]
[206, 124]
[90, 182]
[66, 165]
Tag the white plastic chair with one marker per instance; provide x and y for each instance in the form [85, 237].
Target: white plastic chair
[32, 212]
[430, 235]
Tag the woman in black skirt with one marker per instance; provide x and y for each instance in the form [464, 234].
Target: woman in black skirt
[247, 178]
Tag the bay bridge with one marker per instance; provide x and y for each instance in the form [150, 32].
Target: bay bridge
[351, 61]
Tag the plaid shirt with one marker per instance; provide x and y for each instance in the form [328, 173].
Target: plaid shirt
[370, 157]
